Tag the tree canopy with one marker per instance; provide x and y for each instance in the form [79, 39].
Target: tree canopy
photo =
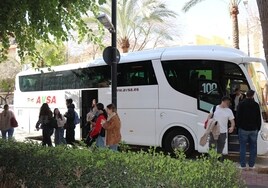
[48, 55]
[140, 22]
[27, 21]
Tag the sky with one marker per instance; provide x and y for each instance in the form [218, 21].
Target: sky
[208, 18]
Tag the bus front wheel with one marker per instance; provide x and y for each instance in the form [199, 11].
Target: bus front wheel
[179, 139]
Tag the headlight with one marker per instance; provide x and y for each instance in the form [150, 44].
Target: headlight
[264, 135]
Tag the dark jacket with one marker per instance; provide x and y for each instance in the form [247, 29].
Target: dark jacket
[44, 121]
[70, 115]
[248, 115]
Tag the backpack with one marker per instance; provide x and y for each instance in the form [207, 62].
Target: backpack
[76, 118]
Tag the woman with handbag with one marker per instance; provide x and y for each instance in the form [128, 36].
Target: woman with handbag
[6, 123]
[98, 132]
[45, 119]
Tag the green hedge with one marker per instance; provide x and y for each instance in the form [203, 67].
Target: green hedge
[31, 165]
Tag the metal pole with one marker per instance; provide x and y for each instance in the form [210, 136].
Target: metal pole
[248, 38]
[114, 63]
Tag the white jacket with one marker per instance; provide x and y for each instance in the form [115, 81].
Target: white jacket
[61, 122]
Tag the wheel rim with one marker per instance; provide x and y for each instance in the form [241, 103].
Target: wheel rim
[180, 142]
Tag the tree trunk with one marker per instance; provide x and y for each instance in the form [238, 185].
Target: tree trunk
[124, 44]
[234, 12]
[4, 99]
[263, 11]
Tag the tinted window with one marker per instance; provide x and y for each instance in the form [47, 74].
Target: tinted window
[136, 74]
[30, 83]
[129, 74]
[209, 94]
[184, 75]
[70, 79]
[93, 77]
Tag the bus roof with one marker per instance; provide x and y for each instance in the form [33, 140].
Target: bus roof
[212, 52]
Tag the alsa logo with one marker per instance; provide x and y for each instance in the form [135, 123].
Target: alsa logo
[46, 99]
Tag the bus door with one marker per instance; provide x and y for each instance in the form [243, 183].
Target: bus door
[75, 95]
[209, 95]
[87, 96]
[235, 82]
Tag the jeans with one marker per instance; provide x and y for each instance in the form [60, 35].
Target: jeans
[10, 132]
[218, 144]
[59, 136]
[249, 137]
[113, 147]
[100, 141]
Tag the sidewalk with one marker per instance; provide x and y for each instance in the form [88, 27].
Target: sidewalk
[257, 178]
[22, 135]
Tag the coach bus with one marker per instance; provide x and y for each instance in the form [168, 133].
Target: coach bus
[164, 95]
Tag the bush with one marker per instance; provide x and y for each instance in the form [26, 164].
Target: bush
[31, 165]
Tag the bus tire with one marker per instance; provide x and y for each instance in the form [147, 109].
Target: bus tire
[178, 138]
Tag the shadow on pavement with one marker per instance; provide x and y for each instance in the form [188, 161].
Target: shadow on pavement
[39, 138]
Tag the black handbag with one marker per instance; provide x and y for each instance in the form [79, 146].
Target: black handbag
[102, 132]
[89, 141]
[53, 123]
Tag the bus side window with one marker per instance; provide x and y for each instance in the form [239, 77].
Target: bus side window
[103, 76]
[69, 80]
[26, 85]
[30, 83]
[136, 74]
[120, 78]
[173, 81]
[209, 94]
[138, 80]
[202, 77]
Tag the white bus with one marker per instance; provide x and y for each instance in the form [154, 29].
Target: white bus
[164, 95]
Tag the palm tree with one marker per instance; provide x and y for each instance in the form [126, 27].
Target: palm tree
[234, 11]
[137, 21]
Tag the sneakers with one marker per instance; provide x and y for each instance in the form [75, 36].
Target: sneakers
[242, 167]
[245, 168]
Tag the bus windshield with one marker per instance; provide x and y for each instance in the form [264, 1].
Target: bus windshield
[255, 71]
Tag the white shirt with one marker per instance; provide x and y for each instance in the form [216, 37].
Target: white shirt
[222, 115]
